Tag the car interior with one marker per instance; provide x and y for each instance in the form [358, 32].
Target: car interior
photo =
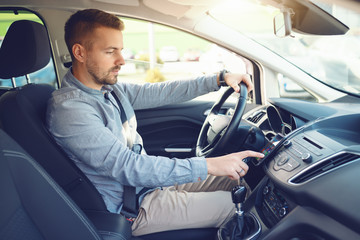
[306, 188]
[28, 105]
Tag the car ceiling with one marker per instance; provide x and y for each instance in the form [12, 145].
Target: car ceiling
[189, 12]
[183, 14]
[190, 9]
[176, 8]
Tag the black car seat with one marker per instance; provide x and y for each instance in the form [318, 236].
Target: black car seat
[23, 111]
[32, 205]
[23, 116]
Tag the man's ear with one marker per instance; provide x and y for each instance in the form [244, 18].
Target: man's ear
[79, 52]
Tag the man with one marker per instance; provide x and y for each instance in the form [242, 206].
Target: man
[86, 121]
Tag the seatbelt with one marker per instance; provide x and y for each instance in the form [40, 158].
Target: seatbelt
[130, 208]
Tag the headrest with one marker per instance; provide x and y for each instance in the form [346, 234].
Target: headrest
[25, 49]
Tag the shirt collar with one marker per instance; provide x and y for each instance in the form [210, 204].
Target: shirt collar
[69, 80]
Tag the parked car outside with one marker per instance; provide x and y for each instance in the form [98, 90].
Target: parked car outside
[169, 54]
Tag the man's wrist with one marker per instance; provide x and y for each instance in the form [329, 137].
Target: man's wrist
[209, 166]
[221, 78]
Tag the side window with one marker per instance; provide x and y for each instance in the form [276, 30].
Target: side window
[290, 89]
[154, 53]
[44, 75]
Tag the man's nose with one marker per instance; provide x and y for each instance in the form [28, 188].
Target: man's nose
[119, 59]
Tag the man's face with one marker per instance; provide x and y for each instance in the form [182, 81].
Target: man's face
[104, 57]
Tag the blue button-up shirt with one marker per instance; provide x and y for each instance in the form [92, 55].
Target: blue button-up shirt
[86, 123]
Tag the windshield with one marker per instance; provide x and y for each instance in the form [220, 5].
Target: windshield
[334, 60]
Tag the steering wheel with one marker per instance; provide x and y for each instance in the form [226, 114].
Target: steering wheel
[218, 130]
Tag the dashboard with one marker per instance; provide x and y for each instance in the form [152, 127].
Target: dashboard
[312, 172]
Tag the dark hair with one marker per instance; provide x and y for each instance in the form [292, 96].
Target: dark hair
[83, 22]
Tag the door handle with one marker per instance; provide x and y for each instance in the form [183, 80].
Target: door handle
[178, 150]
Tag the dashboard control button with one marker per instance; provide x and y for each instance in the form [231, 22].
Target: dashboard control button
[282, 212]
[290, 165]
[306, 157]
[285, 162]
[282, 160]
[266, 190]
[287, 143]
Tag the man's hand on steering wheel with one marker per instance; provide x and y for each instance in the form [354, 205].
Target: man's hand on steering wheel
[234, 79]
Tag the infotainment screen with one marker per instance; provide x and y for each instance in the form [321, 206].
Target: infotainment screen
[268, 148]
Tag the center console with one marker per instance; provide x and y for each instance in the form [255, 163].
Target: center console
[298, 154]
[286, 158]
[305, 175]
[272, 204]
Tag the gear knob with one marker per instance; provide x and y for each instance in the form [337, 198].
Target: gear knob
[238, 194]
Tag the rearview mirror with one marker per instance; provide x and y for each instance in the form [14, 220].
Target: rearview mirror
[282, 23]
[309, 19]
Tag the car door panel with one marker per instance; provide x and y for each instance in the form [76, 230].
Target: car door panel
[172, 130]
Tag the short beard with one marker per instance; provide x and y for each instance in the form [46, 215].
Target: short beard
[106, 78]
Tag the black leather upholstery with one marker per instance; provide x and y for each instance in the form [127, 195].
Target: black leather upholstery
[25, 49]
[32, 205]
[23, 119]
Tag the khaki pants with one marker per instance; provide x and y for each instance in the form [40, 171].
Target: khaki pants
[192, 205]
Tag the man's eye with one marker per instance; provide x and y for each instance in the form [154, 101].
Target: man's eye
[109, 52]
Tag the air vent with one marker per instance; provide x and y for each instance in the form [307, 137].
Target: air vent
[255, 118]
[324, 167]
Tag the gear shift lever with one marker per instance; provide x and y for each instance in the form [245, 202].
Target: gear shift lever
[241, 225]
[238, 195]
